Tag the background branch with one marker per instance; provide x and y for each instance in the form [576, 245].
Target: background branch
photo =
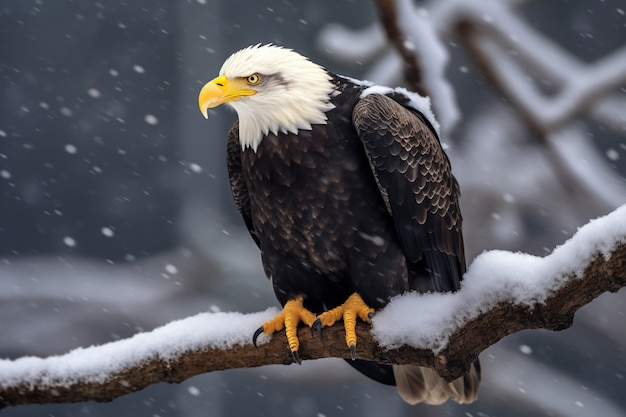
[599, 276]
[387, 11]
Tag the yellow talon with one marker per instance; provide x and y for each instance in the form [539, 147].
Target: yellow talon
[328, 318]
[352, 308]
[293, 313]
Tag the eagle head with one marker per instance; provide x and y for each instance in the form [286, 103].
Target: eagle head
[272, 89]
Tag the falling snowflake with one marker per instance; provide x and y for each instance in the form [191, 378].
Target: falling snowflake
[151, 119]
[612, 154]
[66, 111]
[92, 92]
[525, 349]
[107, 231]
[508, 198]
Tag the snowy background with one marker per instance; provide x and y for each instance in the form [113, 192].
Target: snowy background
[115, 214]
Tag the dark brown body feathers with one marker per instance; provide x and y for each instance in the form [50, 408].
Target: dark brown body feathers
[365, 203]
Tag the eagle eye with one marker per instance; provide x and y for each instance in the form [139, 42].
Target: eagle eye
[253, 79]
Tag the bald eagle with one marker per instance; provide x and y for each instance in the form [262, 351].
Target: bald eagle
[347, 192]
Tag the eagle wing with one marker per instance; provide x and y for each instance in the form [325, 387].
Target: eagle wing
[238, 186]
[415, 181]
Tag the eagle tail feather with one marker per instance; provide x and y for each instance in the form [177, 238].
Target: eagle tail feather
[418, 384]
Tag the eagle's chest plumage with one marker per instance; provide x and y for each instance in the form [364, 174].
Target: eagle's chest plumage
[309, 194]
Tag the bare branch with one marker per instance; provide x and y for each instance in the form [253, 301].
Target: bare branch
[412, 71]
[423, 57]
[600, 275]
[506, 49]
[580, 87]
[526, 102]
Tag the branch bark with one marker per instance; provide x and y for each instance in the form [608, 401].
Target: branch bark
[600, 275]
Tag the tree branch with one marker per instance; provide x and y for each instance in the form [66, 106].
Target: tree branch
[40, 381]
[412, 70]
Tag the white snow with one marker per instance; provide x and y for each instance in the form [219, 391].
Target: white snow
[421, 35]
[375, 239]
[96, 363]
[554, 390]
[349, 46]
[66, 111]
[612, 154]
[151, 119]
[69, 241]
[419, 28]
[107, 231]
[94, 93]
[494, 277]
[588, 166]
[195, 167]
[419, 103]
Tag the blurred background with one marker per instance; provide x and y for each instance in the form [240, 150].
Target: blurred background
[116, 215]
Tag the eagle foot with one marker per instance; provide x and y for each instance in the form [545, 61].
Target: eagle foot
[293, 313]
[352, 308]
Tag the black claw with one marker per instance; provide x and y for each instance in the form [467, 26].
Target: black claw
[296, 358]
[353, 352]
[370, 315]
[256, 335]
[317, 326]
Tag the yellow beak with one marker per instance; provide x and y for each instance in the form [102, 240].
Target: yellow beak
[221, 90]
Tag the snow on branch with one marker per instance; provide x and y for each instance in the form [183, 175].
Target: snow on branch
[502, 293]
[581, 89]
[582, 86]
[420, 55]
[502, 44]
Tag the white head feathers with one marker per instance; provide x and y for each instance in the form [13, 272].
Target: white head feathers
[293, 93]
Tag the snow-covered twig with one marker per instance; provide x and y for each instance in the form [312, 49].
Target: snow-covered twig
[583, 88]
[424, 56]
[581, 85]
[503, 293]
[509, 52]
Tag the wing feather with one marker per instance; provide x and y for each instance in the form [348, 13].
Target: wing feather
[238, 185]
[415, 180]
